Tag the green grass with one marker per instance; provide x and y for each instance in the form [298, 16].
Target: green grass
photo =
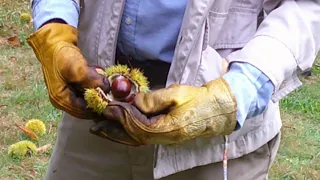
[299, 154]
[24, 96]
[305, 100]
[10, 24]
[25, 91]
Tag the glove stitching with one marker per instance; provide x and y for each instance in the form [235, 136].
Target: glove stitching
[63, 106]
[183, 125]
[57, 50]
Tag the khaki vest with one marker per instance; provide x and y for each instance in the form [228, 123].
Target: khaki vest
[206, 35]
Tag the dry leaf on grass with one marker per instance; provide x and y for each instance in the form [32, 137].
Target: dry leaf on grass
[44, 148]
[34, 172]
[13, 59]
[14, 41]
[3, 106]
[289, 127]
[28, 132]
[15, 167]
[29, 176]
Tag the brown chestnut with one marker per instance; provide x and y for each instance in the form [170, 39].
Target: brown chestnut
[120, 87]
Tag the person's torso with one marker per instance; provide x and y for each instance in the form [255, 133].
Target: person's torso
[210, 29]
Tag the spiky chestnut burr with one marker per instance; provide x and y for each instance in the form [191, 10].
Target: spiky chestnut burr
[22, 149]
[125, 84]
[37, 126]
[25, 17]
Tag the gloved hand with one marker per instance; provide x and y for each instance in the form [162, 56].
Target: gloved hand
[171, 115]
[66, 72]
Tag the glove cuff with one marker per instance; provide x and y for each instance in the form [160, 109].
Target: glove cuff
[49, 35]
[225, 99]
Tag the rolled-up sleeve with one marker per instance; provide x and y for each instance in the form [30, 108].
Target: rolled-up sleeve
[44, 10]
[286, 43]
[252, 90]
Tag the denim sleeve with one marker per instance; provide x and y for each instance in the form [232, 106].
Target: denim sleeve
[44, 10]
[252, 89]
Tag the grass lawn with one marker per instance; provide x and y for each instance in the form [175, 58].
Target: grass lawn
[23, 97]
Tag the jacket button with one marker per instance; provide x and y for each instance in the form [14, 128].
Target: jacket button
[128, 20]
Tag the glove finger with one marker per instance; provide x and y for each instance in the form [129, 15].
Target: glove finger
[124, 112]
[93, 79]
[74, 105]
[81, 105]
[159, 101]
[96, 79]
[225, 66]
[75, 70]
[114, 131]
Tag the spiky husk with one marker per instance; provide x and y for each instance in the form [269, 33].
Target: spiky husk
[134, 74]
[117, 69]
[138, 76]
[95, 101]
[37, 126]
[22, 149]
[25, 17]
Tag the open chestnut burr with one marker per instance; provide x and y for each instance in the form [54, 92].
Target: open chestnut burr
[125, 84]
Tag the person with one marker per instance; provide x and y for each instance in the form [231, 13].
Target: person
[217, 70]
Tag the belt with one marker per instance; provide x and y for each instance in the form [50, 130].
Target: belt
[155, 70]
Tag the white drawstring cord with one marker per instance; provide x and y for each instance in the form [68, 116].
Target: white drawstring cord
[225, 158]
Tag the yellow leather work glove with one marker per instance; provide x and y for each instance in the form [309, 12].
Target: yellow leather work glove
[66, 72]
[172, 115]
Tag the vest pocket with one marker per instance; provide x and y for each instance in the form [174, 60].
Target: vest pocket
[210, 67]
[233, 29]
